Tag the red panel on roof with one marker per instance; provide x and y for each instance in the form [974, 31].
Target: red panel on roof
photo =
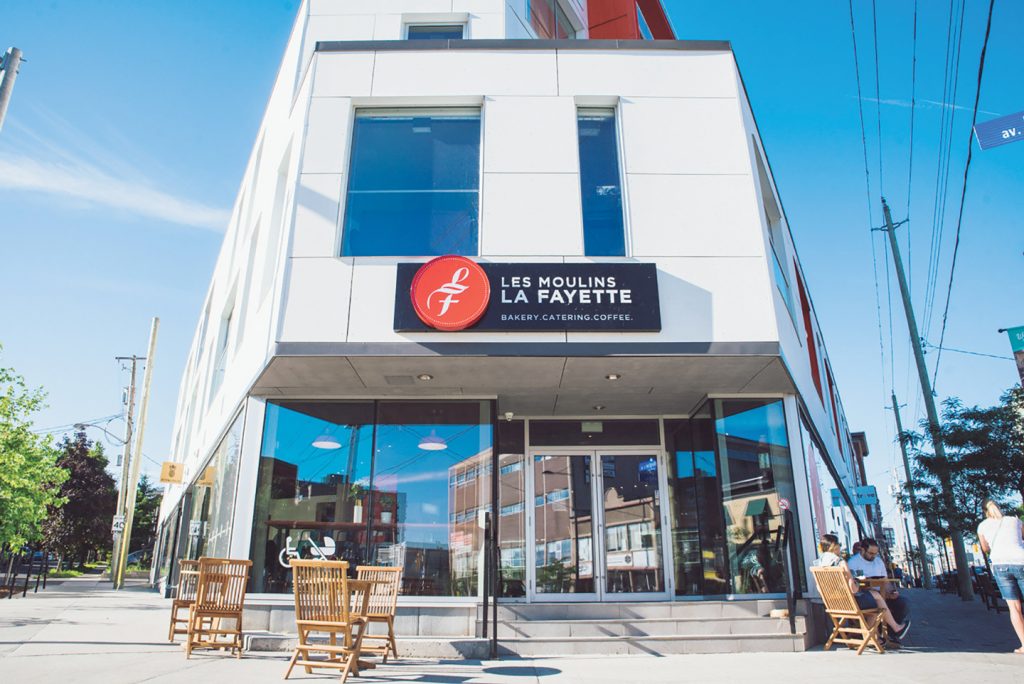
[617, 19]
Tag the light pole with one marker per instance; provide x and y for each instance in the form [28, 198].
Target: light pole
[9, 66]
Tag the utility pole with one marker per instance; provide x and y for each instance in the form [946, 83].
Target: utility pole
[926, 576]
[133, 478]
[9, 66]
[123, 460]
[962, 568]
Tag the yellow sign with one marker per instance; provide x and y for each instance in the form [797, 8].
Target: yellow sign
[206, 479]
[171, 472]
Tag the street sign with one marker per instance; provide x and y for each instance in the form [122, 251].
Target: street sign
[784, 504]
[1005, 129]
[171, 472]
[865, 495]
[117, 526]
[1017, 345]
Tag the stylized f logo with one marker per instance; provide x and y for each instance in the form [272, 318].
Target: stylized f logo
[450, 290]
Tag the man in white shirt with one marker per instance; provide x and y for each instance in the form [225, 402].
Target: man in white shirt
[868, 563]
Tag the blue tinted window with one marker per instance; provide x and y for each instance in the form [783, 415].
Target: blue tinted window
[600, 186]
[435, 32]
[414, 184]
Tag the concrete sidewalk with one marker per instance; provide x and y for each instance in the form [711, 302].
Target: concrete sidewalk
[80, 631]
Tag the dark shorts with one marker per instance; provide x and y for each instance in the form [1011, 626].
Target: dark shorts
[1010, 579]
[865, 600]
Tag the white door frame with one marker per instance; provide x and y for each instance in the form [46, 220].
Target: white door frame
[597, 524]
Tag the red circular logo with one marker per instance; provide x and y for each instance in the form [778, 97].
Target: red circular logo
[450, 293]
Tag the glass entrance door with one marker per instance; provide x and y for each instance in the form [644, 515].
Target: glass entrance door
[563, 526]
[633, 552]
[596, 526]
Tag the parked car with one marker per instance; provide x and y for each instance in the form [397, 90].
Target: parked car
[139, 557]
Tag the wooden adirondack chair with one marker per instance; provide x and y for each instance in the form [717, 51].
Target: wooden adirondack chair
[220, 596]
[852, 625]
[328, 602]
[184, 595]
[383, 602]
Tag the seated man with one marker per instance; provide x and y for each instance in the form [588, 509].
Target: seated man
[832, 556]
[867, 563]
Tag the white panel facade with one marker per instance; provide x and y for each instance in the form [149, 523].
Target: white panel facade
[531, 213]
[693, 215]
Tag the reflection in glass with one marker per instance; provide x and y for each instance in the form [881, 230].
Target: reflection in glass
[698, 535]
[425, 501]
[310, 498]
[632, 521]
[755, 472]
[512, 508]
[600, 184]
[414, 183]
[563, 545]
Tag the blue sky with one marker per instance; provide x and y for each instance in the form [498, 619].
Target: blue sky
[131, 124]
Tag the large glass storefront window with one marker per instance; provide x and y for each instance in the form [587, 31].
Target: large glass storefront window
[756, 472]
[430, 480]
[213, 498]
[698, 530]
[728, 467]
[379, 483]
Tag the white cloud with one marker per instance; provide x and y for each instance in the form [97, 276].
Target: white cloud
[85, 170]
[927, 103]
[83, 182]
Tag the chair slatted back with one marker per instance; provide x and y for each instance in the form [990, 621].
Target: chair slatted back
[384, 593]
[321, 590]
[188, 580]
[222, 582]
[834, 587]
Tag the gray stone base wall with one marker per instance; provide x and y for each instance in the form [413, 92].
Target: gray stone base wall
[410, 621]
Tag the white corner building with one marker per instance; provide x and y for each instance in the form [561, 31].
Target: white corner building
[609, 389]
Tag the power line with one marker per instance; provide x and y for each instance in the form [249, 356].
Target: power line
[910, 165]
[878, 97]
[949, 160]
[963, 190]
[932, 256]
[867, 185]
[941, 349]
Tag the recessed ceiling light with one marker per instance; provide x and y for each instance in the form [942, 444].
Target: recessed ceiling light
[326, 441]
[424, 377]
[432, 442]
[612, 376]
[599, 407]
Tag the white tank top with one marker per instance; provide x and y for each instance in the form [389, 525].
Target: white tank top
[1004, 538]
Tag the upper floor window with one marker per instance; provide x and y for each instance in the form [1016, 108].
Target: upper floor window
[600, 184]
[435, 32]
[414, 183]
[549, 20]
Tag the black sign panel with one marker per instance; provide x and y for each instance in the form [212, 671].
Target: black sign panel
[546, 297]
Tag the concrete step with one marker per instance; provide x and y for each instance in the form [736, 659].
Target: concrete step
[654, 645]
[646, 627]
[508, 612]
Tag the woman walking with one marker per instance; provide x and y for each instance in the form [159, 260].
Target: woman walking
[1002, 538]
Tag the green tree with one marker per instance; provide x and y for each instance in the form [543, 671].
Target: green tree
[29, 475]
[147, 509]
[82, 524]
[984, 458]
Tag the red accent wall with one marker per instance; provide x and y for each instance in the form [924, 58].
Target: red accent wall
[617, 20]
